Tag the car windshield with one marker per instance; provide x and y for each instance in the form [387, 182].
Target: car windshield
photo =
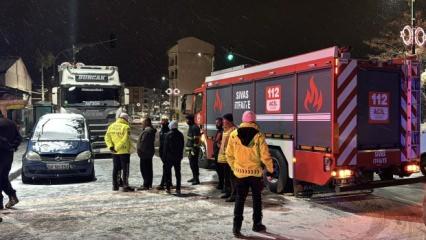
[86, 96]
[60, 129]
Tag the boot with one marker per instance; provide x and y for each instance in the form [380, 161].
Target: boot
[237, 229]
[196, 181]
[259, 227]
[1, 204]
[191, 180]
[13, 200]
[230, 199]
[160, 187]
[178, 192]
[226, 195]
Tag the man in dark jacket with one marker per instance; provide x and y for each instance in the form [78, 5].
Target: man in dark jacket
[164, 130]
[146, 151]
[217, 140]
[193, 148]
[10, 139]
[173, 154]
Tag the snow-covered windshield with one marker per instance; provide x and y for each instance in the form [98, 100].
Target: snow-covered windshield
[60, 129]
[86, 96]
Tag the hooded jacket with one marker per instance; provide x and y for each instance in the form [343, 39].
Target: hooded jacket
[173, 146]
[146, 141]
[118, 136]
[247, 151]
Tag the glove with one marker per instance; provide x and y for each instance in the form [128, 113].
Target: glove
[269, 176]
[112, 149]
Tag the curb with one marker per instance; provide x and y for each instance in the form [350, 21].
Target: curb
[15, 174]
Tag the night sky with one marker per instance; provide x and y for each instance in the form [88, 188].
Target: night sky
[265, 30]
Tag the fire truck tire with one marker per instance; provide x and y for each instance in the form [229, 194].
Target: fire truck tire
[203, 162]
[423, 166]
[386, 174]
[280, 176]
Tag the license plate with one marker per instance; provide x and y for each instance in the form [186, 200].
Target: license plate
[62, 166]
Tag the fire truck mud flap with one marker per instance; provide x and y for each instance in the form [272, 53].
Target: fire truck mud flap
[380, 184]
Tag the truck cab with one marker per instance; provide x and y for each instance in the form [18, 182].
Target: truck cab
[94, 92]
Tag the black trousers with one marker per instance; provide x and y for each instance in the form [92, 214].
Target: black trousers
[146, 171]
[220, 173]
[6, 159]
[173, 163]
[242, 187]
[163, 177]
[193, 163]
[121, 162]
[229, 180]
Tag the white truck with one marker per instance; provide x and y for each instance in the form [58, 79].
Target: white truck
[93, 91]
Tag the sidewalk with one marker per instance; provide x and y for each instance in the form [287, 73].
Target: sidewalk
[17, 161]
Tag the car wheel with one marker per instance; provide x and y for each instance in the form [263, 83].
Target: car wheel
[423, 164]
[279, 180]
[25, 179]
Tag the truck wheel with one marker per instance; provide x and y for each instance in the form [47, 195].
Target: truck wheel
[386, 174]
[203, 162]
[423, 165]
[25, 179]
[278, 182]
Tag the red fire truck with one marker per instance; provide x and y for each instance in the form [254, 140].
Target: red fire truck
[329, 120]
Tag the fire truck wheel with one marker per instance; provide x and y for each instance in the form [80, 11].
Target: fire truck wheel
[277, 183]
[203, 162]
[386, 174]
[423, 165]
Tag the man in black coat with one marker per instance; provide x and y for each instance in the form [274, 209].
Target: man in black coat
[173, 154]
[164, 130]
[146, 151]
[10, 139]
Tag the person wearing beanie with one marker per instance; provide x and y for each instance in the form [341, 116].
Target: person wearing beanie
[173, 155]
[193, 148]
[117, 139]
[229, 188]
[164, 130]
[246, 153]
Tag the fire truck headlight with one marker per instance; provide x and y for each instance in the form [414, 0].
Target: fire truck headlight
[412, 168]
[342, 173]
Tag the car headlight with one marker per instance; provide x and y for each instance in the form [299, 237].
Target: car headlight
[83, 156]
[32, 156]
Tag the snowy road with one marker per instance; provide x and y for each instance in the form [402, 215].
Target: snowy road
[92, 211]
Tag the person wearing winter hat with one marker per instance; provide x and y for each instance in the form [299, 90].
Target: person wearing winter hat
[229, 188]
[117, 139]
[173, 154]
[246, 152]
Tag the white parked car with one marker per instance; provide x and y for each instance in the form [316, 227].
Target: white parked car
[136, 119]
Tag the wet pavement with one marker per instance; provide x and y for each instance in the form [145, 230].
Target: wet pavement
[91, 210]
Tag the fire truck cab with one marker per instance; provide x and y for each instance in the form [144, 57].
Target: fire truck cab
[329, 120]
